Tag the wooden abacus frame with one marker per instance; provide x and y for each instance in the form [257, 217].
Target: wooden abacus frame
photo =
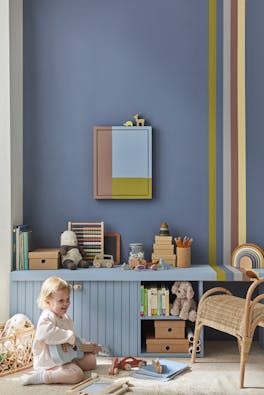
[90, 236]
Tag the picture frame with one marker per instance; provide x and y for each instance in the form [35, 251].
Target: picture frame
[112, 246]
[99, 386]
[122, 162]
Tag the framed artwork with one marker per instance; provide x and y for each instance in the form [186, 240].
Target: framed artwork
[122, 162]
[112, 246]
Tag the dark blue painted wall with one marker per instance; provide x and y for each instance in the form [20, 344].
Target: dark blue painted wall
[255, 120]
[99, 62]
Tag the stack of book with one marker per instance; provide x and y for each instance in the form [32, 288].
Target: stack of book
[22, 244]
[154, 301]
[170, 369]
[163, 248]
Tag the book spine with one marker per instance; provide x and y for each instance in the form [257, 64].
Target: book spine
[154, 301]
[142, 294]
[17, 248]
[163, 305]
[167, 302]
[14, 248]
[25, 238]
[149, 302]
[21, 251]
[145, 301]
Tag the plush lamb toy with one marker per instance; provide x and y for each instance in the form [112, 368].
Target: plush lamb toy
[71, 254]
[18, 321]
[184, 306]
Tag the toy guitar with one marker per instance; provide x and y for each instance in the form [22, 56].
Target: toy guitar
[64, 353]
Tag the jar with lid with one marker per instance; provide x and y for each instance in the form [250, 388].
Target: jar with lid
[136, 251]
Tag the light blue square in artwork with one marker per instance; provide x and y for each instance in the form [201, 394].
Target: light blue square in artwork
[131, 152]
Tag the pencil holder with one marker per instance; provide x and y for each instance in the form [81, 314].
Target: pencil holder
[183, 256]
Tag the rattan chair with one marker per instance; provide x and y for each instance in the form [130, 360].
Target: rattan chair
[233, 315]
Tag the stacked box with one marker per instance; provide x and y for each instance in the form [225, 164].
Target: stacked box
[169, 337]
[44, 259]
[163, 248]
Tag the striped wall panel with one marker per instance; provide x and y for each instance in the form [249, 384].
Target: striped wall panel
[234, 134]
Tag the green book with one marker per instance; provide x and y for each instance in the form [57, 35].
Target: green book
[27, 248]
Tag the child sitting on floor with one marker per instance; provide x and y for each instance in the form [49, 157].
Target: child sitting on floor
[56, 327]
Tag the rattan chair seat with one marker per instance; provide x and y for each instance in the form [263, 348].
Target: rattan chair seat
[226, 313]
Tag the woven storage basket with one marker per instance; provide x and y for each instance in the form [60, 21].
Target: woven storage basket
[16, 351]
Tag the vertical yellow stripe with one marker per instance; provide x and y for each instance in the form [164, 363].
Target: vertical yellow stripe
[241, 120]
[212, 132]
[212, 139]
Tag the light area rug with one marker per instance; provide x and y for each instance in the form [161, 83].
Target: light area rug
[215, 374]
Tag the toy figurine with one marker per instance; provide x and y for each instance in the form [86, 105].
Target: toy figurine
[128, 123]
[126, 363]
[139, 121]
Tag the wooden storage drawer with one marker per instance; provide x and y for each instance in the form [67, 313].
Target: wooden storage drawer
[44, 259]
[167, 345]
[169, 329]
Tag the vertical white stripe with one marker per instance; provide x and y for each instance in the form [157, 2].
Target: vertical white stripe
[241, 121]
[226, 133]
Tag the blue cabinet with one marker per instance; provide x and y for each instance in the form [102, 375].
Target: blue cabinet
[104, 302]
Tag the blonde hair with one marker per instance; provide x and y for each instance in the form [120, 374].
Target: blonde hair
[49, 287]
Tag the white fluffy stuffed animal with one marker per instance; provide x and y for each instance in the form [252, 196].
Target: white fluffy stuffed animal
[184, 305]
[18, 321]
[71, 253]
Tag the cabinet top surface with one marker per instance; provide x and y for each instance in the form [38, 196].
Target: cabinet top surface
[194, 273]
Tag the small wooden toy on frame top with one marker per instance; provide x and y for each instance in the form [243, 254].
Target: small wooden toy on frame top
[139, 121]
[163, 248]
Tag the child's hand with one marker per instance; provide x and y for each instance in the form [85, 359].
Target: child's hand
[96, 348]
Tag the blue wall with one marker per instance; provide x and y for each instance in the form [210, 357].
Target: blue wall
[255, 120]
[99, 62]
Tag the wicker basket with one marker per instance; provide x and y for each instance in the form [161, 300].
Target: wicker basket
[16, 351]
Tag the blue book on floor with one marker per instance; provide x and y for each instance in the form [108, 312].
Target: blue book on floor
[170, 369]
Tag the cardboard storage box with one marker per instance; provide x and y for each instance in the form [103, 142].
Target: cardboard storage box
[44, 259]
[167, 345]
[169, 329]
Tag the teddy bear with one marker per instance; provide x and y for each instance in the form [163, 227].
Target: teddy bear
[71, 254]
[184, 305]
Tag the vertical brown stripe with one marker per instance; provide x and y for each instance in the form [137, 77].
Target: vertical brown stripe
[103, 162]
[234, 126]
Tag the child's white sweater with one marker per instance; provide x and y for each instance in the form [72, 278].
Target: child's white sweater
[51, 329]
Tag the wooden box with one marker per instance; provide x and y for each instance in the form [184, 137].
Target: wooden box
[44, 259]
[169, 329]
[167, 345]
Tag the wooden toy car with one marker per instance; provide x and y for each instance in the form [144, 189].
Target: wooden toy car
[126, 363]
[103, 261]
